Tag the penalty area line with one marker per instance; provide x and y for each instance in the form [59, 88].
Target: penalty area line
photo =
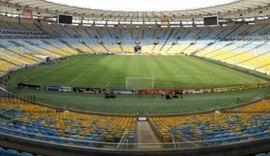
[107, 85]
[75, 79]
[204, 80]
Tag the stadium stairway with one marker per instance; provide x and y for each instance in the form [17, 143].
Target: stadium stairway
[62, 51]
[145, 134]
[68, 45]
[265, 65]
[106, 49]
[19, 58]
[210, 50]
[203, 48]
[88, 46]
[167, 39]
[254, 57]
[243, 52]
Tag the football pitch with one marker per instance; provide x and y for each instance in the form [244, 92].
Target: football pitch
[108, 71]
[111, 71]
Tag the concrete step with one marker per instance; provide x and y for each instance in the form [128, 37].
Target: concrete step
[145, 134]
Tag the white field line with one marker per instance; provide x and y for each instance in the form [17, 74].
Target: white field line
[107, 85]
[75, 79]
[54, 69]
[172, 75]
[242, 78]
[204, 80]
[171, 84]
[166, 84]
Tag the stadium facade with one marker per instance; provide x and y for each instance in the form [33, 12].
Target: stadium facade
[30, 35]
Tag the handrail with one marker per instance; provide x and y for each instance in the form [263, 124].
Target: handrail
[115, 146]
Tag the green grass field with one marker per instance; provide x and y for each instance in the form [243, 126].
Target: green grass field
[111, 72]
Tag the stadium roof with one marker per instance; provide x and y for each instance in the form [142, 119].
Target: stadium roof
[235, 9]
[142, 5]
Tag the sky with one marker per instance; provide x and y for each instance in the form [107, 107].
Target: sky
[142, 5]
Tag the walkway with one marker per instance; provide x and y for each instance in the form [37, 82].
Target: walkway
[145, 134]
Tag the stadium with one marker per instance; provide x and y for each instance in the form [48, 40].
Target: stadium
[164, 78]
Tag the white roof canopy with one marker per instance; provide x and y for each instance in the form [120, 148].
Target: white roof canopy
[142, 5]
[232, 9]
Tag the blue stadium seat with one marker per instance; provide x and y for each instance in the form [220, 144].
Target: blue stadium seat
[262, 154]
[26, 154]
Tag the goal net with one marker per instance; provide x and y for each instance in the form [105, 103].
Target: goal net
[140, 82]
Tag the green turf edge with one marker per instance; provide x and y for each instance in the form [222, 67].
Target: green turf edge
[238, 68]
[138, 104]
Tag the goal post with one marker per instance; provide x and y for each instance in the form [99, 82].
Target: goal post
[140, 82]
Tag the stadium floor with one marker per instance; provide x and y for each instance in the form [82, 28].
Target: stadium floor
[111, 71]
[97, 71]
